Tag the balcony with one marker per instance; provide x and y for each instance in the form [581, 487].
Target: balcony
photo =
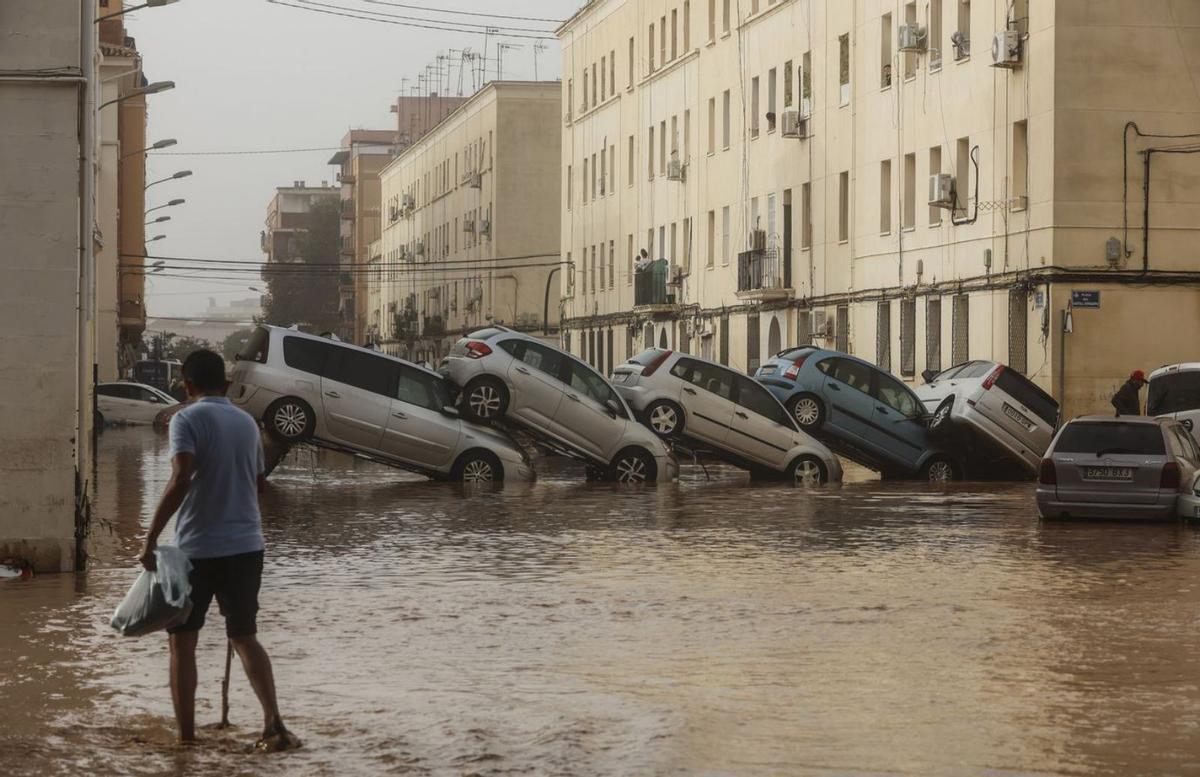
[405, 325]
[760, 276]
[346, 178]
[347, 248]
[348, 209]
[433, 326]
[132, 315]
[651, 292]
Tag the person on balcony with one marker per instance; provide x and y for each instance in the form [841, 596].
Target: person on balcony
[642, 263]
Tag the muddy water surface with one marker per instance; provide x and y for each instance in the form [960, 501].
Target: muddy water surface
[703, 627]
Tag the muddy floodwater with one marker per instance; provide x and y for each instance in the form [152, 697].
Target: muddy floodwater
[706, 627]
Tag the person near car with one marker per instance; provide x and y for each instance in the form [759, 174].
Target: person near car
[217, 467]
[177, 391]
[643, 261]
[1126, 400]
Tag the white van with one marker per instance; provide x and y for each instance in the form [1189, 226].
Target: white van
[1174, 392]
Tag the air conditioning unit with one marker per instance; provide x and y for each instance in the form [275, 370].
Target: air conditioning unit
[476, 180]
[408, 202]
[795, 125]
[962, 46]
[911, 37]
[822, 325]
[485, 227]
[468, 225]
[941, 191]
[404, 257]
[393, 213]
[1006, 49]
[758, 240]
[419, 248]
[675, 170]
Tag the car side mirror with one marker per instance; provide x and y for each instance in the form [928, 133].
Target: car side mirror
[928, 376]
[613, 408]
[450, 410]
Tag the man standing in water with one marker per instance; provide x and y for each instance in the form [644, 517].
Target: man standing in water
[216, 476]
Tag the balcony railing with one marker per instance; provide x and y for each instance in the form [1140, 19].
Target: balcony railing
[760, 271]
[433, 326]
[650, 285]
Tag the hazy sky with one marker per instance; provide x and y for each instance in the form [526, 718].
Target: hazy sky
[251, 75]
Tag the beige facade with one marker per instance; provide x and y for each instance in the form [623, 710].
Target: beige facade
[471, 229]
[778, 157]
[363, 154]
[288, 218]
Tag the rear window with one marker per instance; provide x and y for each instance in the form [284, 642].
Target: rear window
[305, 355]
[975, 370]
[256, 347]
[1173, 393]
[646, 357]
[485, 334]
[1028, 394]
[795, 353]
[1099, 438]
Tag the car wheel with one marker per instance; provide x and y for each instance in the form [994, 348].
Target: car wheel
[940, 470]
[808, 471]
[807, 410]
[632, 465]
[291, 419]
[940, 424]
[665, 418]
[485, 399]
[477, 467]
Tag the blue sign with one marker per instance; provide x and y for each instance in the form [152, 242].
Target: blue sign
[1085, 299]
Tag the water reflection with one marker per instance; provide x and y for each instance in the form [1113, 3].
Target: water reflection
[711, 626]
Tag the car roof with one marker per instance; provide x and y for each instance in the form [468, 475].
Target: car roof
[1123, 419]
[127, 383]
[343, 344]
[1167, 369]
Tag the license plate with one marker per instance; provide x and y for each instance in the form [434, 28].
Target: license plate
[770, 369]
[1018, 416]
[1196, 511]
[1108, 473]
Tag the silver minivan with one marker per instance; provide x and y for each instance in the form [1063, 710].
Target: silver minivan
[1174, 392]
[305, 387]
[681, 396]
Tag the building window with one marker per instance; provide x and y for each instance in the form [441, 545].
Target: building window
[603, 78]
[754, 107]
[962, 181]
[910, 57]
[806, 230]
[788, 81]
[570, 186]
[675, 137]
[844, 206]
[960, 335]
[1020, 163]
[806, 96]
[933, 334]
[935, 167]
[883, 335]
[910, 191]
[885, 51]
[724, 22]
[935, 35]
[592, 277]
[612, 72]
[612, 167]
[753, 346]
[674, 33]
[584, 182]
[687, 25]
[687, 245]
[844, 69]
[674, 244]
[662, 147]
[725, 232]
[595, 175]
[908, 338]
[842, 332]
[662, 36]
[629, 73]
[885, 197]
[962, 48]
[612, 264]
[650, 243]
[712, 20]
[628, 260]
[650, 48]
[725, 120]
[603, 171]
[650, 153]
[771, 86]
[711, 249]
[687, 135]
[630, 156]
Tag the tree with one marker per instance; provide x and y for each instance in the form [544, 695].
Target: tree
[235, 343]
[181, 346]
[304, 290]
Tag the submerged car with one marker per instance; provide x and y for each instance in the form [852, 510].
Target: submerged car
[558, 398]
[995, 402]
[309, 388]
[685, 397]
[1125, 467]
[860, 411]
[130, 403]
[1174, 392]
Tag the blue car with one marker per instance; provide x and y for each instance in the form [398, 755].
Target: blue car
[860, 411]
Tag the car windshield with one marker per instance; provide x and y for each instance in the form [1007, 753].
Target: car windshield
[1173, 393]
[1101, 438]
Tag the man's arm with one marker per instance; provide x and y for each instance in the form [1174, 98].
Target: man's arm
[172, 498]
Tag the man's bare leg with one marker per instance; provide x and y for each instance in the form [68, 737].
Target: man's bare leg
[257, 664]
[183, 682]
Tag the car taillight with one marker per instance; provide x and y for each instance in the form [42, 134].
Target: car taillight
[477, 350]
[1170, 476]
[990, 380]
[1048, 473]
[794, 370]
[654, 365]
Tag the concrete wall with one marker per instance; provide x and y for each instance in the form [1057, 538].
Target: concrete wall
[42, 441]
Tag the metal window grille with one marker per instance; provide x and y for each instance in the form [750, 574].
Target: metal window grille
[883, 335]
[908, 338]
[599, 363]
[725, 340]
[1018, 330]
[843, 328]
[611, 356]
[630, 334]
[933, 334]
[804, 327]
[592, 348]
[649, 335]
[753, 352]
[961, 334]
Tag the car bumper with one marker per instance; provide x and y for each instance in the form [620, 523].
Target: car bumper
[636, 396]
[668, 468]
[1050, 507]
[460, 370]
[518, 471]
[1188, 506]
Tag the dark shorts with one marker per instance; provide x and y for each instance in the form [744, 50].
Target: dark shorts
[235, 581]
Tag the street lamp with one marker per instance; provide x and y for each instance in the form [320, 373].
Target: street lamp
[180, 174]
[154, 88]
[147, 4]
[156, 237]
[170, 204]
[161, 144]
[158, 220]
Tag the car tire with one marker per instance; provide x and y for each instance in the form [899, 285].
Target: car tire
[941, 424]
[291, 419]
[477, 467]
[632, 466]
[940, 469]
[485, 399]
[807, 411]
[808, 471]
[665, 418]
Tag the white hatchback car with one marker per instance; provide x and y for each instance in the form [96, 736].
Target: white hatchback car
[130, 403]
[997, 401]
[683, 396]
[1174, 392]
[305, 387]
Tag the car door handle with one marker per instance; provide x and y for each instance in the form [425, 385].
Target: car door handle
[881, 409]
[572, 397]
[835, 387]
[333, 394]
[691, 391]
[401, 416]
[522, 370]
[740, 414]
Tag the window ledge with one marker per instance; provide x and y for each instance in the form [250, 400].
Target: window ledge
[963, 60]
[909, 229]
[933, 224]
[908, 79]
[725, 35]
[710, 43]
[885, 88]
[886, 234]
[845, 242]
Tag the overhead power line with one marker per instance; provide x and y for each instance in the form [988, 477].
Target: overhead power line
[464, 13]
[247, 151]
[452, 273]
[331, 266]
[485, 27]
[442, 28]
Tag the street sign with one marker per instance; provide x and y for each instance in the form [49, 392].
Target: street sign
[1085, 299]
[1039, 299]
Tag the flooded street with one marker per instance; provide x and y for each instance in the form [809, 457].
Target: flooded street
[716, 627]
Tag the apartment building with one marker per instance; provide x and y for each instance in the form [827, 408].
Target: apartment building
[363, 154]
[919, 183]
[471, 231]
[288, 218]
[417, 114]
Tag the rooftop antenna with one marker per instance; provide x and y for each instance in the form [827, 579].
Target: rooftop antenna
[500, 49]
[538, 47]
[487, 31]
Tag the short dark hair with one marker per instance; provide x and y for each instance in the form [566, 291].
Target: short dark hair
[205, 370]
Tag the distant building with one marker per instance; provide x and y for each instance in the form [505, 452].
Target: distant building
[416, 115]
[288, 218]
[235, 310]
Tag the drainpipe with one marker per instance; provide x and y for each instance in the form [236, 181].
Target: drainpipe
[546, 304]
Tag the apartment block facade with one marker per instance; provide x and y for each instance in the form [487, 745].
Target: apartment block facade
[288, 218]
[918, 183]
[471, 223]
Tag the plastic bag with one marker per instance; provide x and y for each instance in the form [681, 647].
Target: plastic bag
[158, 600]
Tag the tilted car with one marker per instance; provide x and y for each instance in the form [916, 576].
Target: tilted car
[130, 403]
[990, 399]
[1174, 392]
[860, 411]
[1126, 467]
[682, 396]
[559, 399]
[339, 395]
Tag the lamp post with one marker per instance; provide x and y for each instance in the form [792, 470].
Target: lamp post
[157, 237]
[176, 176]
[161, 144]
[154, 88]
[170, 204]
[147, 4]
[158, 220]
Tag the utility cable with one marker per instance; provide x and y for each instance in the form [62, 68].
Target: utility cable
[464, 13]
[487, 27]
[401, 23]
